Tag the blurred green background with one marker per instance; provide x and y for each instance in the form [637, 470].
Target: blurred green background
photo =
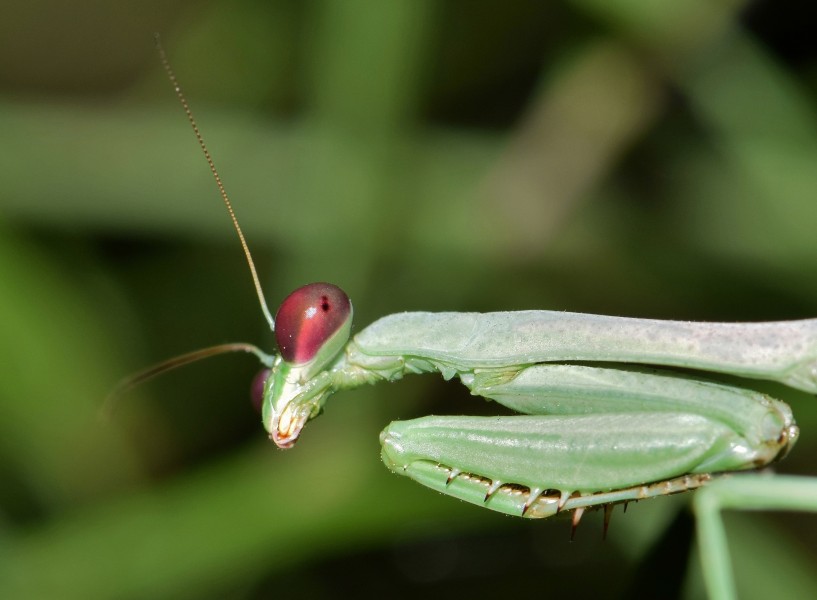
[653, 159]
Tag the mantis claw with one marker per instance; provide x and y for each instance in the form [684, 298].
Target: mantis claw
[492, 489]
[452, 475]
[577, 516]
[533, 496]
[608, 512]
[563, 500]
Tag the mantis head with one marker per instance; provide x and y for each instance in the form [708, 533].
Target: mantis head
[311, 329]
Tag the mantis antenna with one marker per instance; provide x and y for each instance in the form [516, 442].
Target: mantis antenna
[178, 361]
[177, 88]
[184, 359]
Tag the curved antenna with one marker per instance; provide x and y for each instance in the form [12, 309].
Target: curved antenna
[177, 88]
[144, 375]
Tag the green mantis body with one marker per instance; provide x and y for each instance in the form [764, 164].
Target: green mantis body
[610, 409]
[597, 425]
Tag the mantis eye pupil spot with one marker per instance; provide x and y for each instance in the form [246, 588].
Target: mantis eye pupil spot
[308, 317]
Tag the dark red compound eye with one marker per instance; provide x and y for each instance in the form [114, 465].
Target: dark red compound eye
[257, 388]
[307, 318]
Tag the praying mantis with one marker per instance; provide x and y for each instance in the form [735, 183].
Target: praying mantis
[610, 409]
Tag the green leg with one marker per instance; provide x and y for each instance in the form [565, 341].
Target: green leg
[742, 492]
